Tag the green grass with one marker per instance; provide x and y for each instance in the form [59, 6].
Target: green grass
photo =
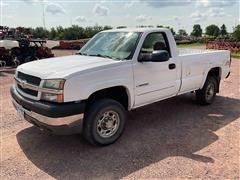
[190, 45]
[236, 55]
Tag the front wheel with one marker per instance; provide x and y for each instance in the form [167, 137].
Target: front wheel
[104, 122]
[206, 95]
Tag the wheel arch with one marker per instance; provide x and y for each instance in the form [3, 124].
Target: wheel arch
[215, 72]
[118, 93]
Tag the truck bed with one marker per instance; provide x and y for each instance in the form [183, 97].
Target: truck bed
[188, 51]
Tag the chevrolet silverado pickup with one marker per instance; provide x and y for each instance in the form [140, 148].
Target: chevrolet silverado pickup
[115, 72]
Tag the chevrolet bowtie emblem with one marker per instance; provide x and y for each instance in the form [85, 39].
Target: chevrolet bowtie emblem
[23, 84]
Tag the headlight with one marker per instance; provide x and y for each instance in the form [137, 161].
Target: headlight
[54, 84]
[54, 89]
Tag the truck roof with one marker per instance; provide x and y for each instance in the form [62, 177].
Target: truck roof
[137, 30]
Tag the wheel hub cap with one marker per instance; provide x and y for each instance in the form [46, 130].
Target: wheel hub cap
[108, 124]
[210, 92]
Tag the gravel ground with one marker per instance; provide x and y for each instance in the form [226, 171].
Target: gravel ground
[175, 138]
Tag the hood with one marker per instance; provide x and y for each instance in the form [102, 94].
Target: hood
[62, 67]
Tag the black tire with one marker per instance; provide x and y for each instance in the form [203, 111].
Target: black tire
[95, 113]
[203, 96]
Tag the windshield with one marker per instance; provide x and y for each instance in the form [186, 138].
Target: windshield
[114, 45]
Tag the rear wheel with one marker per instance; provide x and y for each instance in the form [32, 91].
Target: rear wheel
[206, 95]
[104, 122]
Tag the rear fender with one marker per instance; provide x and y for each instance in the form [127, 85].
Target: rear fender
[206, 73]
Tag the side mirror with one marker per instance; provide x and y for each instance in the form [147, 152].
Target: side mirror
[156, 56]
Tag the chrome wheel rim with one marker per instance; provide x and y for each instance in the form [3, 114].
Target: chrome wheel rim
[108, 124]
[210, 92]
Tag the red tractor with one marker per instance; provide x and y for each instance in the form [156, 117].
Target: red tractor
[15, 52]
[30, 50]
[41, 50]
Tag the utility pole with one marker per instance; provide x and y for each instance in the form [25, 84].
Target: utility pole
[43, 14]
[1, 10]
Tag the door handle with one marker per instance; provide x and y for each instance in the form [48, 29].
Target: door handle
[172, 66]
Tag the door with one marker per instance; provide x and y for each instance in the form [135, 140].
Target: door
[155, 80]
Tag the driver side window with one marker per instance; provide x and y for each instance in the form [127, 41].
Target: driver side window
[153, 42]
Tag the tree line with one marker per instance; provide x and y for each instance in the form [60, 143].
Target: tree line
[77, 32]
[70, 33]
[211, 30]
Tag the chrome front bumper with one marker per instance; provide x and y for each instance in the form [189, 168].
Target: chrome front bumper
[58, 118]
[63, 125]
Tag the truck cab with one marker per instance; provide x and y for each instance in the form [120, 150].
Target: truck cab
[115, 72]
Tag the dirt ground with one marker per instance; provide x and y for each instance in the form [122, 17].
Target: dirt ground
[175, 138]
[64, 52]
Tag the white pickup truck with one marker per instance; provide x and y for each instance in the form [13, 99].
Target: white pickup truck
[115, 72]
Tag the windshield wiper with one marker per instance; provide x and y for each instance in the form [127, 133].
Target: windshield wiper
[100, 55]
[106, 56]
[83, 54]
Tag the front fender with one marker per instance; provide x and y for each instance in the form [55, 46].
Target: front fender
[110, 84]
[80, 87]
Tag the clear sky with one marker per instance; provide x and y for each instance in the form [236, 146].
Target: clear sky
[174, 13]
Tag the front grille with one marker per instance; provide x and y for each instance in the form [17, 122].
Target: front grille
[29, 79]
[28, 91]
